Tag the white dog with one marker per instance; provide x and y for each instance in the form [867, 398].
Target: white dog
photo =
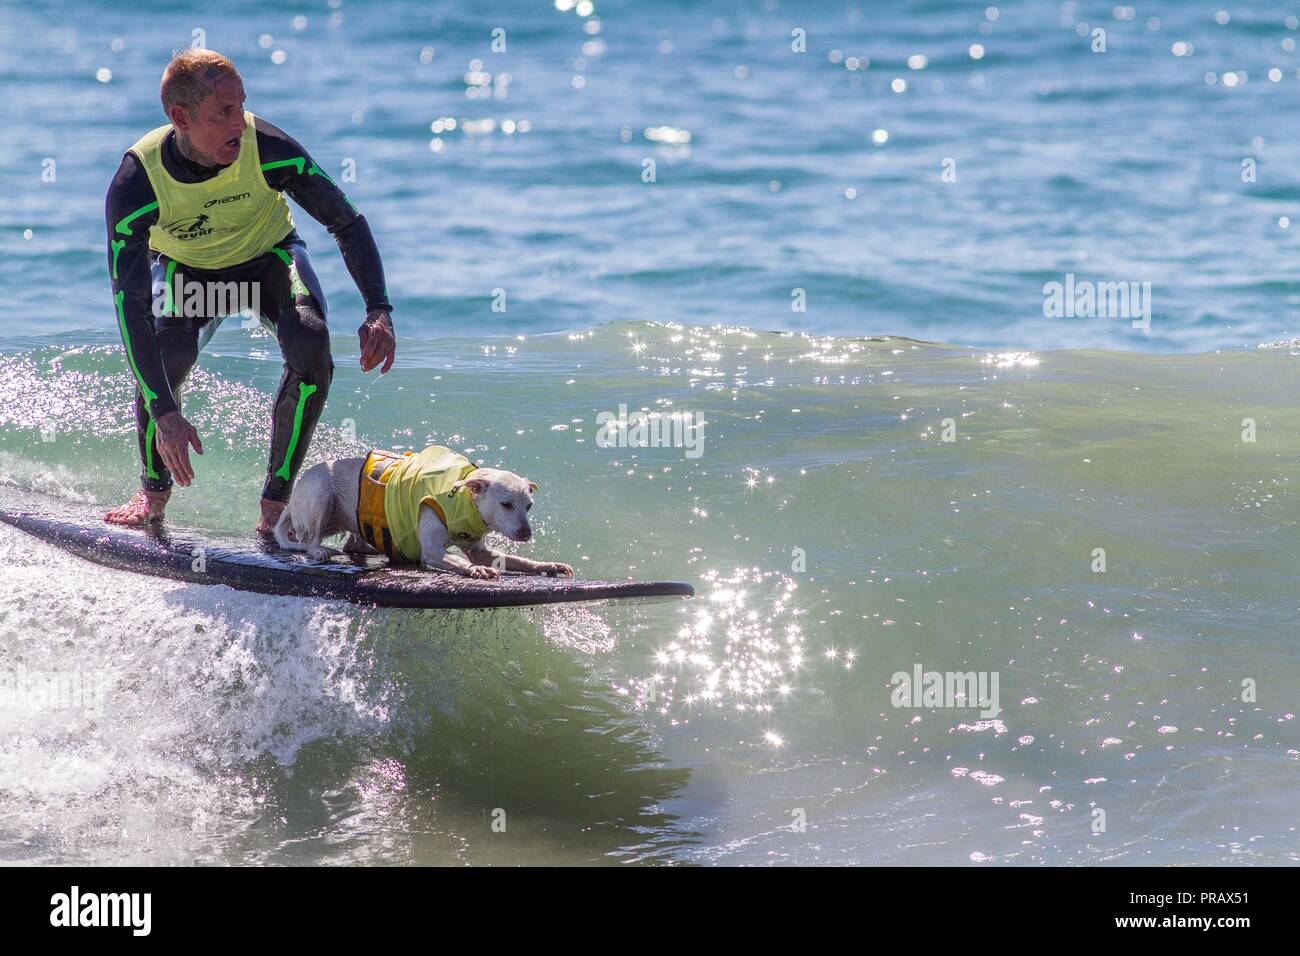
[413, 507]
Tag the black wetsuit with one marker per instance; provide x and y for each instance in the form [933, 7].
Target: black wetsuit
[164, 349]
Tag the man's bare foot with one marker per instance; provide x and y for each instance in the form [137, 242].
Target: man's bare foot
[145, 508]
[270, 515]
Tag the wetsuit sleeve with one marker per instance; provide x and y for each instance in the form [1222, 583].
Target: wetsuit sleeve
[287, 167]
[130, 209]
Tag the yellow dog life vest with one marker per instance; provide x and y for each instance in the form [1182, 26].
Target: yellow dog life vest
[393, 488]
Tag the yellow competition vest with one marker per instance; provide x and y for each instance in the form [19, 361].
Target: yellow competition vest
[392, 489]
[223, 221]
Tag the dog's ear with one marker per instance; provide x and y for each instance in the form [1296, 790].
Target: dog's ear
[476, 485]
[532, 486]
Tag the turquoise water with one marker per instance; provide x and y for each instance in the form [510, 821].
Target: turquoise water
[835, 537]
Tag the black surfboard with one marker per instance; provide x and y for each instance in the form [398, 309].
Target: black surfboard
[253, 564]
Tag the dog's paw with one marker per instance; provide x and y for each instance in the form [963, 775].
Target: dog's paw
[483, 571]
[556, 568]
[321, 554]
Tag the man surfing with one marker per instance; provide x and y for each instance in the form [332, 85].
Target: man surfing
[201, 200]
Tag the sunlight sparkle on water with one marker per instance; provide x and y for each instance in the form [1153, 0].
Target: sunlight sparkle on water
[740, 646]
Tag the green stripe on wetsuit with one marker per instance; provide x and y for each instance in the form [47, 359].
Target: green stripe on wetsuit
[123, 227]
[304, 392]
[149, 394]
[169, 298]
[124, 224]
[116, 246]
[296, 286]
[149, 469]
[298, 162]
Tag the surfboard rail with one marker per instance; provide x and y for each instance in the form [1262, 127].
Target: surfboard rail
[257, 565]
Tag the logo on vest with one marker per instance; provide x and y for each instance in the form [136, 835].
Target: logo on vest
[225, 199]
[191, 227]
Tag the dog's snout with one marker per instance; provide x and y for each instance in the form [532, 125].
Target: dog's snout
[525, 533]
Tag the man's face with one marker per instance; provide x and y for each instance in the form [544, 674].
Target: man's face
[214, 133]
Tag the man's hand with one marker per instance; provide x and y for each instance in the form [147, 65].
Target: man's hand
[377, 340]
[174, 437]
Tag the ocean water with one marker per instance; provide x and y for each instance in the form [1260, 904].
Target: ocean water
[921, 468]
